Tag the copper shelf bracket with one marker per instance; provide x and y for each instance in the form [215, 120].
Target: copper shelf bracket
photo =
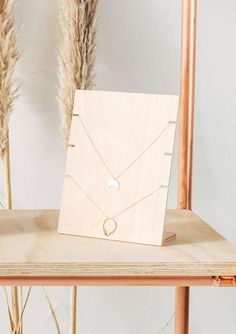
[221, 281]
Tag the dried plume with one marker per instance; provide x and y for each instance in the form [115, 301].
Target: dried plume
[54, 316]
[76, 55]
[17, 328]
[9, 54]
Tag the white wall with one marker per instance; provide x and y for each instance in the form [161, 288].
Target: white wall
[138, 46]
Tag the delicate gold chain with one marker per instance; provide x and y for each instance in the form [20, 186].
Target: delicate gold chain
[116, 177]
[95, 147]
[122, 211]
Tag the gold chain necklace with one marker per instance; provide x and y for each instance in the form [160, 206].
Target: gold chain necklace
[115, 178]
[110, 223]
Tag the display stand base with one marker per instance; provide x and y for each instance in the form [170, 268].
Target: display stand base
[167, 237]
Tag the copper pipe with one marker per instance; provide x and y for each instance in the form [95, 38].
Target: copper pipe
[186, 117]
[186, 122]
[108, 280]
[180, 281]
[182, 310]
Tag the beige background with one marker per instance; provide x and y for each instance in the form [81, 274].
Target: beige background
[138, 50]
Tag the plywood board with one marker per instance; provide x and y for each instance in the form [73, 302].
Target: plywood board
[31, 247]
[123, 139]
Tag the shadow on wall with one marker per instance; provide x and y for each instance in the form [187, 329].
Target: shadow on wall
[138, 46]
[37, 66]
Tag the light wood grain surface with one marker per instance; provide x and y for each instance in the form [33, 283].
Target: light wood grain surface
[30, 246]
[122, 126]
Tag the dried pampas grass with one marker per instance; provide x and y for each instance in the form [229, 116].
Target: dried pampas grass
[77, 26]
[17, 328]
[76, 55]
[54, 316]
[9, 55]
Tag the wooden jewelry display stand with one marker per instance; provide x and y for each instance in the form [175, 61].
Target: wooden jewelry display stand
[118, 166]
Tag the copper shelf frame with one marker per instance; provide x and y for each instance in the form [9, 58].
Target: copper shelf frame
[178, 281]
[186, 123]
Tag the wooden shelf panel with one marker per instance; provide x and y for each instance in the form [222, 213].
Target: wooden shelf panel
[30, 246]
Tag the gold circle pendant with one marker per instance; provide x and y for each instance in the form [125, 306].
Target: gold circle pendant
[109, 226]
